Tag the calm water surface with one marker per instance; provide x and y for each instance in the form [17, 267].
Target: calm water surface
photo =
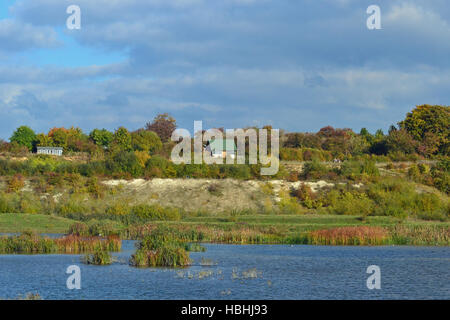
[282, 272]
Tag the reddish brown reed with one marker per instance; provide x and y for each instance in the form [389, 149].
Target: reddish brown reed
[361, 235]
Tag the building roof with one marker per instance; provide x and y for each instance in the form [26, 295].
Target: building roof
[223, 145]
[50, 148]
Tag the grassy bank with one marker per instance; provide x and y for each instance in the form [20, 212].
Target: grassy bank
[20, 222]
[246, 229]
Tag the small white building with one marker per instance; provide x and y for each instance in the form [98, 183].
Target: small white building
[54, 151]
[221, 148]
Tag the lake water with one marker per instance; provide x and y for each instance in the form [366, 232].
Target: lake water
[282, 272]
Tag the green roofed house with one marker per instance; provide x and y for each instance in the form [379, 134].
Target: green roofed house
[221, 148]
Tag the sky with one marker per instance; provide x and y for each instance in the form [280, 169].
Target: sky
[298, 65]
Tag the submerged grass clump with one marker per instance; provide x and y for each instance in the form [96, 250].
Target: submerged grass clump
[30, 243]
[207, 262]
[99, 257]
[252, 273]
[194, 247]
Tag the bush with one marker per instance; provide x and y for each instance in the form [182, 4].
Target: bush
[99, 257]
[102, 228]
[160, 249]
[353, 204]
[414, 172]
[314, 170]
[125, 162]
[356, 170]
[79, 229]
[16, 183]
[288, 204]
[429, 204]
[118, 209]
[155, 212]
[304, 154]
[307, 197]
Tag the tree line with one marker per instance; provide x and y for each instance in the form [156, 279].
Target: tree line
[425, 132]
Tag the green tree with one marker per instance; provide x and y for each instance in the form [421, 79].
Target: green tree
[148, 141]
[24, 136]
[43, 140]
[364, 133]
[125, 162]
[379, 134]
[429, 119]
[101, 137]
[401, 141]
[122, 140]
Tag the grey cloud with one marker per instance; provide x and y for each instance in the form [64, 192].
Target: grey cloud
[19, 36]
[299, 65]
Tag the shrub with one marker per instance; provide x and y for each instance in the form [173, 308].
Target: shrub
[214, 189]
[160, 249]
[16, 183]
[118, 209]
[423, 168]
[307, 197]
[430, 205]
[102, 228]
[79, 229]
[99, 257]
[357, 169]
[125, 162]
[414, 172]
[95, 188]
[293, 176]
[314, 170]
[353, 204]
[288, 204]
[155, 212]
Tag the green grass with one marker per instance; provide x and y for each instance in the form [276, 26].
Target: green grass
[301, 223]
[38, 223]
[245, 228]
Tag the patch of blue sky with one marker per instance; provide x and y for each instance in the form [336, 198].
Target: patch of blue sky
[72, 54]
[4, 8]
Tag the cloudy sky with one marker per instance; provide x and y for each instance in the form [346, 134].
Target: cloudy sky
[295, 64]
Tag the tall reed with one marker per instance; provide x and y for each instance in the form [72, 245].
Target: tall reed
[99, 257]
[421, 235]
[160, 249]
[361, 235]
[28, 243]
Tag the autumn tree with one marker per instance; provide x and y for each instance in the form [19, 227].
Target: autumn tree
[59, 137]
[429, 124]
[163, 125]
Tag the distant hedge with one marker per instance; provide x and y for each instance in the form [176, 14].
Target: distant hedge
[304, 154]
